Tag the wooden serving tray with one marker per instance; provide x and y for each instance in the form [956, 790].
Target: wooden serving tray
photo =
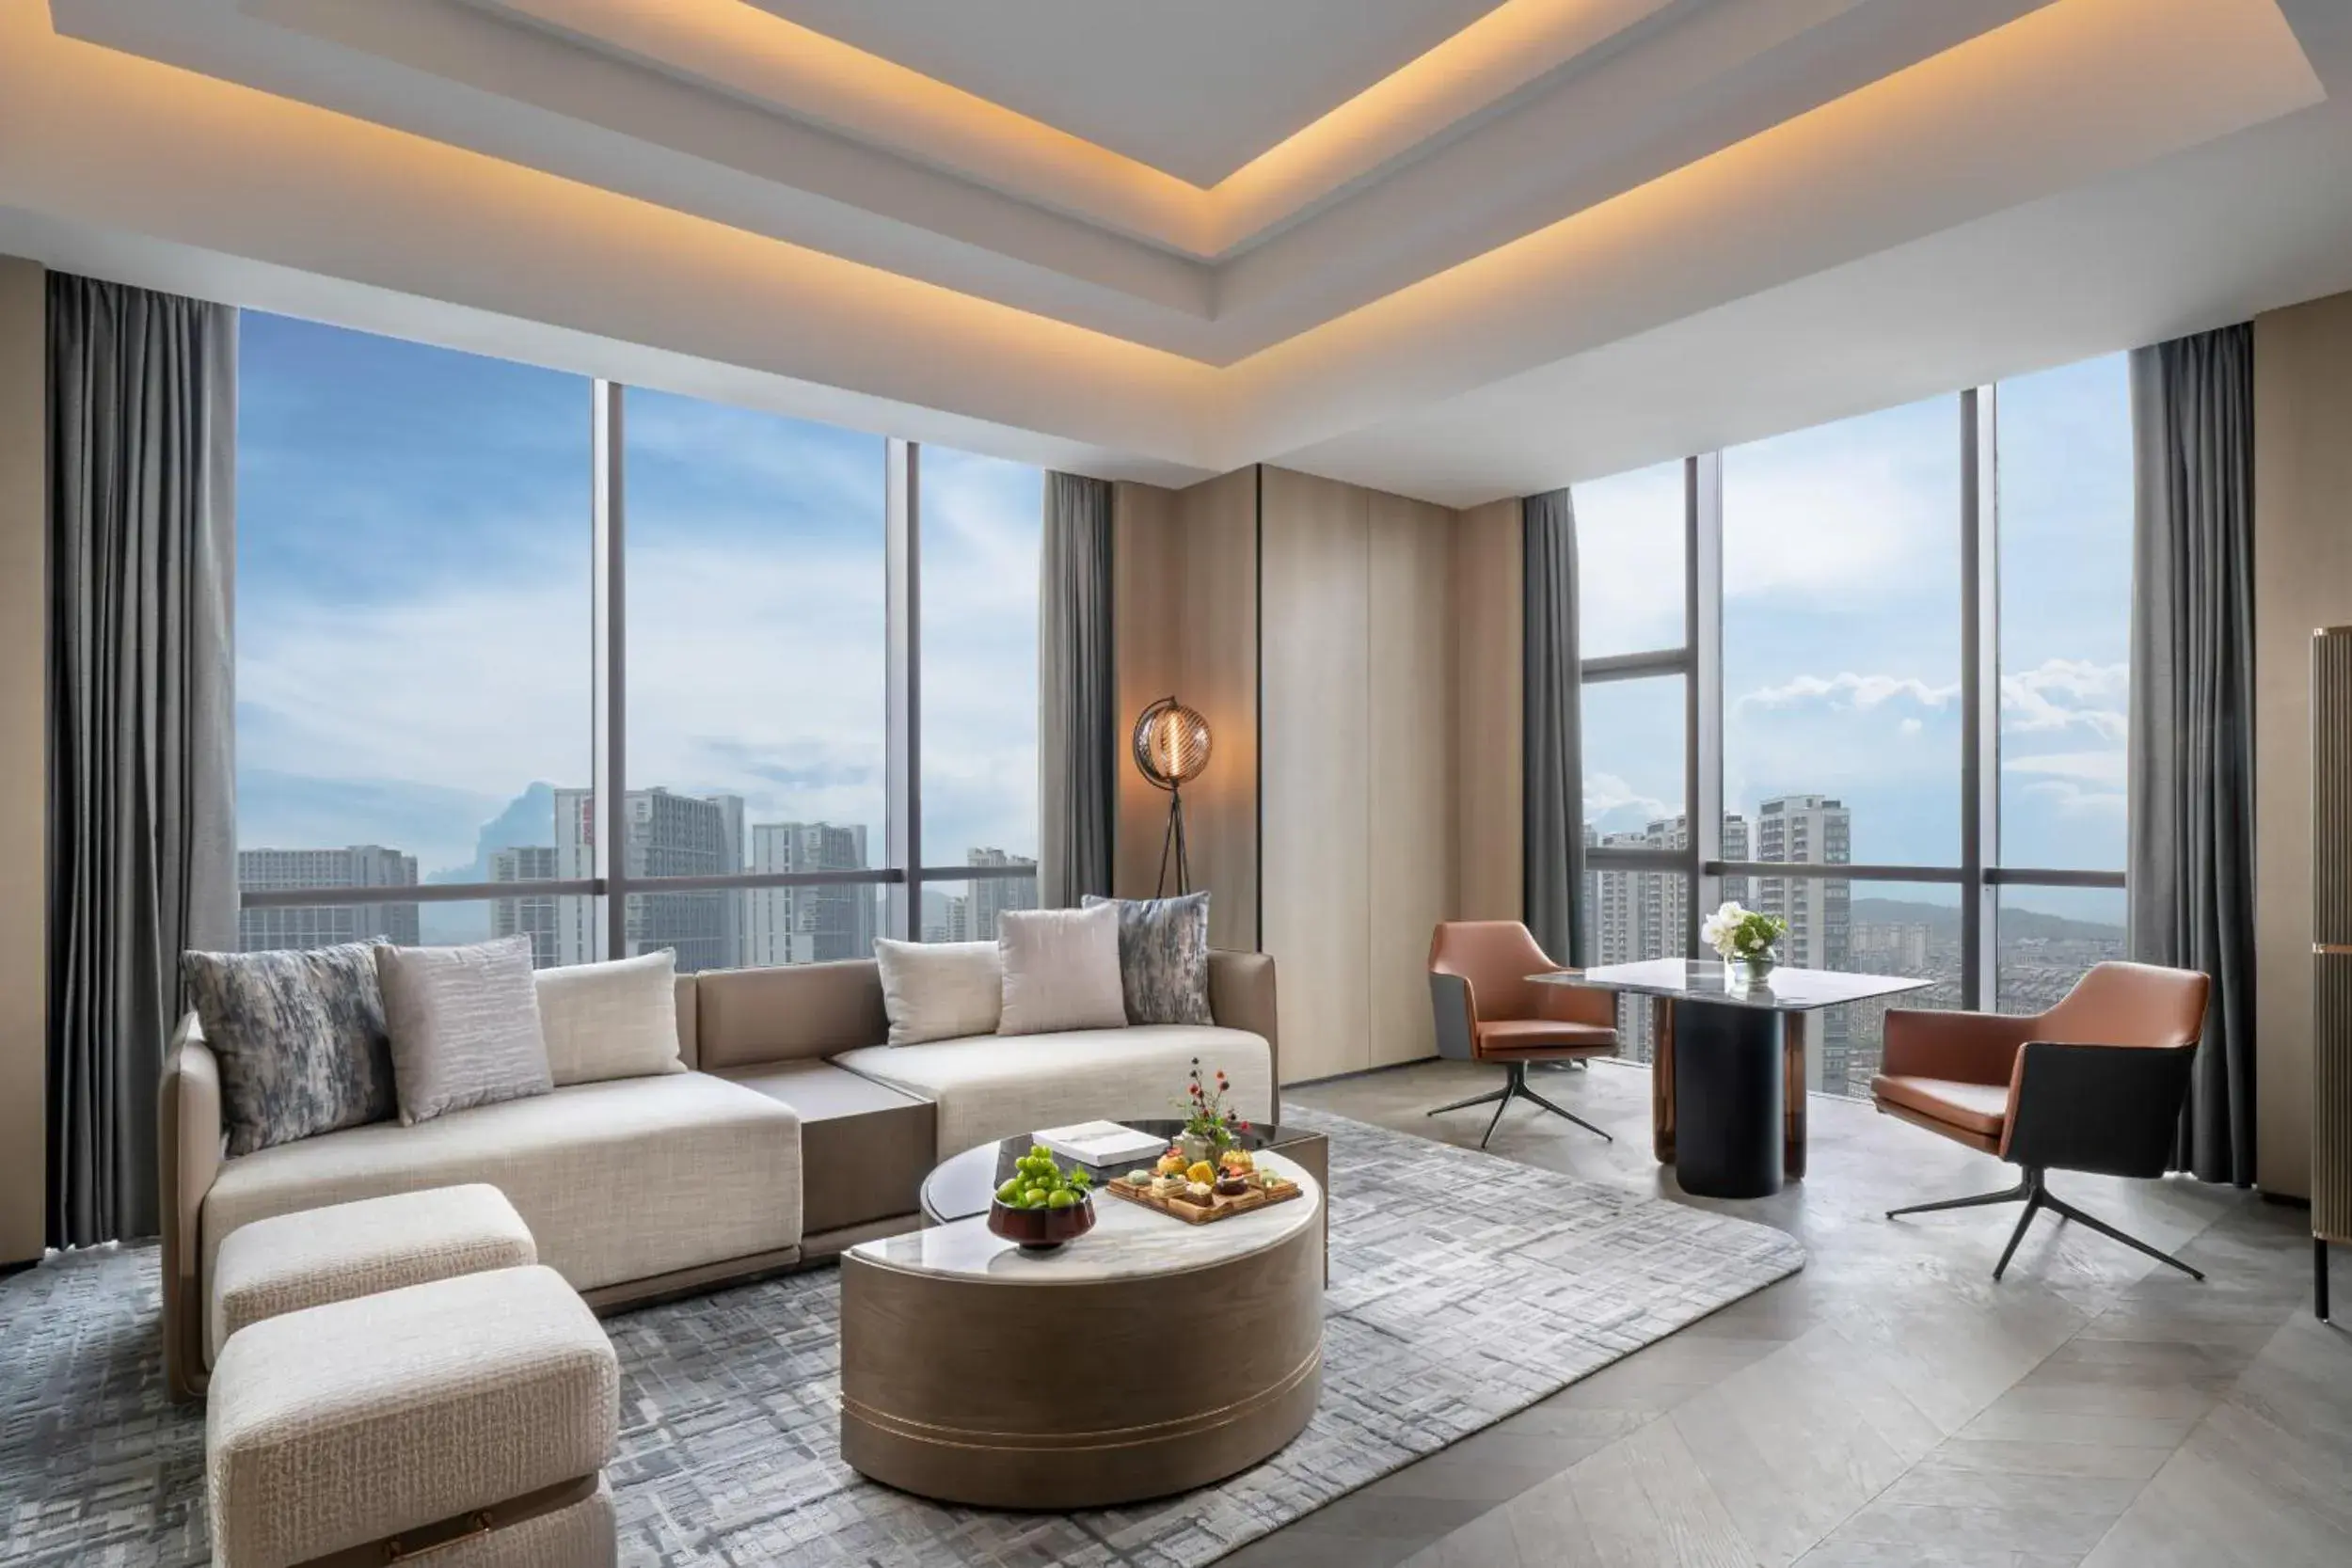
[1193, 1213]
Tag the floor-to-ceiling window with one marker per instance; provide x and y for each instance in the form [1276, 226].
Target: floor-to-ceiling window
[1633, 636]
[1915, 719]
[413, 600]
[2065, 493]
[981, 520]
[501, 628]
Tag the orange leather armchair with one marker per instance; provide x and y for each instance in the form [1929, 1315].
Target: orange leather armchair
[1488, 1010]
[2096, 1083]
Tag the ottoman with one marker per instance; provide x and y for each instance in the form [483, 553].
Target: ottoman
[291, 1262]
[471, 1416]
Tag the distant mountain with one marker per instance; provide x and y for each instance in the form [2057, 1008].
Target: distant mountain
[1943, 920]
[530, 818]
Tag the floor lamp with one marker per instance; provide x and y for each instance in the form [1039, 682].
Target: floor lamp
[1171, 749]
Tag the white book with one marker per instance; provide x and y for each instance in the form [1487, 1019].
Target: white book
[1101, 1144]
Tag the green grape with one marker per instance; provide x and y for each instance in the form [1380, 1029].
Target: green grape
[1009, 1191]
[1062, 1199]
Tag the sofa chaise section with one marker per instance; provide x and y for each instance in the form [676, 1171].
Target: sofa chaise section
[632, 1188]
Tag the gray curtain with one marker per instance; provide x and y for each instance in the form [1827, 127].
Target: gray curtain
[1077, 693]
[1553, 723]
[2192, 719]
[142, 832]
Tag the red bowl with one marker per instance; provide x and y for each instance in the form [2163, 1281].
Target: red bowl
[1042, 1230]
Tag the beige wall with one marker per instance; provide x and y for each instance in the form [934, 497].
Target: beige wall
[24, 773]
[1186, 569]
[2302, 581]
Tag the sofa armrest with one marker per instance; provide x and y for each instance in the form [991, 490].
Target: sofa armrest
[1966, 1047]
[1241, 996]
[187, 1133]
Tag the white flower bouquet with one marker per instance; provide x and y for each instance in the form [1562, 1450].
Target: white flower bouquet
[1742, 936]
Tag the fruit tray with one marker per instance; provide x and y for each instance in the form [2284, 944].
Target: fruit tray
[1195, 1214]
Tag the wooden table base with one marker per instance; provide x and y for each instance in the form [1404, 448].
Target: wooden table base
[1662, 1016]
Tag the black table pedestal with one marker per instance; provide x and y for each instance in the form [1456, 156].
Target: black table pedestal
[1729, 1104]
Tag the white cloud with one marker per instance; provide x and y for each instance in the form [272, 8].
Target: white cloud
[2067, 693]
[1605, 793]
[1858, 505]
[2105, 767]
[1908, 727]
[755, 667]
[1850, 691]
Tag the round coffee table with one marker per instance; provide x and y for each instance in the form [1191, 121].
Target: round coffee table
[1147, 1356]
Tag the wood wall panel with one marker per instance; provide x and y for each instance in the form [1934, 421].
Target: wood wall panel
[1487, 614]
[1219, 519]
[24, 769]
[2302, 581]
[1410, 849]
[1315, 570]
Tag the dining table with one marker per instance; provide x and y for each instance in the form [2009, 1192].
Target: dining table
[1727, 1062]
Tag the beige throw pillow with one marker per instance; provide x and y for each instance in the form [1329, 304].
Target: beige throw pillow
[1061, 970]
[615, 1019]
[465, 1027]
[940, 991]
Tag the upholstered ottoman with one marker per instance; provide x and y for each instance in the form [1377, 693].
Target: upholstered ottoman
[474, 1416]
[291, 1262]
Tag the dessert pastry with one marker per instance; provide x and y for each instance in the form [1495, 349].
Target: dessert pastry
[1139, 1177]
[1171, 1164]
[1202, 1171]
[1231, 1184]
[1168, 1186]
[1199, 1191]
[1236, 1161]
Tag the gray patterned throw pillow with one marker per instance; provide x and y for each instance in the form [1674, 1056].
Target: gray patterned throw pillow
[300, 1039]
[1163, 957]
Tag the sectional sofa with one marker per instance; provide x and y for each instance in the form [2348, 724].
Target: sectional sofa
[797, 1132]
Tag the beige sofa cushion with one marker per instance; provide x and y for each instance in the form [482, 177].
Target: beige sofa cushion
[618, 1182]
[1009, 1086]
[613, 1019]
[334, 1428]
[283, 1264]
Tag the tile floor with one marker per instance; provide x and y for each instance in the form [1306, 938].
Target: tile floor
[1892, 1404]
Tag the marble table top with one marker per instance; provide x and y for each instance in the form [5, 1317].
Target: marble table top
[1128, 1241]
[1782, 990]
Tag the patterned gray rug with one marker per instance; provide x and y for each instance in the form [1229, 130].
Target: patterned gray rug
[1463, 1287]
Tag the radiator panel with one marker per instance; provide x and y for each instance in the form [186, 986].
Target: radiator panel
[2331, 934]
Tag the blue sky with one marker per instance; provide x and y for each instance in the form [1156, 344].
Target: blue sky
[1841, 628]
[414, 605]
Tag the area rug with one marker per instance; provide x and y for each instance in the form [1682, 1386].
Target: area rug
[1463, 1287]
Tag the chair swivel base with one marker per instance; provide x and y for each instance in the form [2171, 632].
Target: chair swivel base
[1514, 1087]
[2035, 1194]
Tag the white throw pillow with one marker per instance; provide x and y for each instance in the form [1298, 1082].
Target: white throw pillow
[616, 1019]
[940, 991]
[1061, 970]
[464, 1024]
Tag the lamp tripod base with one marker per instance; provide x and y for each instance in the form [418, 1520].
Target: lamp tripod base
[1172, 846]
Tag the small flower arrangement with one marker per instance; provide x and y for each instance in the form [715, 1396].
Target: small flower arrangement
[1742, 936]
[1207, 1117]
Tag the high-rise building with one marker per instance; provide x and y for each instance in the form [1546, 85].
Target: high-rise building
[324, 924]
[991, 896]
[1811, 829]
[538, 917]
[808, 924]
[666, 834]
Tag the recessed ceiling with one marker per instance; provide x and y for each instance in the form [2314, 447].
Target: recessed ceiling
[1569, 236]
[1195, 87]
